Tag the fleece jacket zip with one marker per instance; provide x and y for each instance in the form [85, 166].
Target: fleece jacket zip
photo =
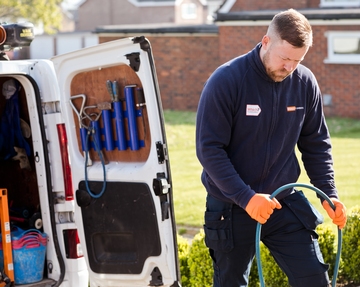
[248, 126]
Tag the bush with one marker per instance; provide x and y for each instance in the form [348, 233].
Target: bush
[254, 275]
[350, 247]
[327, 246]
[196, 264]
[183, 251]
[200, 263]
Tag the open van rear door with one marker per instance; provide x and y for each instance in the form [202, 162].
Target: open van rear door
[119, 164]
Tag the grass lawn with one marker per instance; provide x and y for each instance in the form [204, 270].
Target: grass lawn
[189, 194]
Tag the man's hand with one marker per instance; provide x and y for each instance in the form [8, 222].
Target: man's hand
[338, 215]
[260, 207]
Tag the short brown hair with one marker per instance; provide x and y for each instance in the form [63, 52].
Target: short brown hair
[293, 27]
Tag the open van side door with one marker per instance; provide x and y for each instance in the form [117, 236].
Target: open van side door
[120, 172]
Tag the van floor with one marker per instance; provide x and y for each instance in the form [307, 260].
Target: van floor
[42, 283]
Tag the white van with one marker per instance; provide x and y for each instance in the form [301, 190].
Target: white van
[90, 168]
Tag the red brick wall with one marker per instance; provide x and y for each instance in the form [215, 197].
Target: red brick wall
[339, 81]
[313, 4]
[238, 40]
[183, 64]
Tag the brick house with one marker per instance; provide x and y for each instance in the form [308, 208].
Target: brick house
[185, 56]
[143, 12]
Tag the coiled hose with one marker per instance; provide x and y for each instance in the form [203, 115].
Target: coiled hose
[93, 195]
[258, 231]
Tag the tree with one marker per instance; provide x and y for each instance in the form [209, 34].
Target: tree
[39, 12]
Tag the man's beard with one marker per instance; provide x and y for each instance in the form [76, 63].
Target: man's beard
[275, 75]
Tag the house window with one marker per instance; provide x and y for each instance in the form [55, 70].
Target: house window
[343, 47]
[339, 3]
[188, 11]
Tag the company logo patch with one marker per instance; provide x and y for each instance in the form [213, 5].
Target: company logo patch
[253, 110]
[293, 108]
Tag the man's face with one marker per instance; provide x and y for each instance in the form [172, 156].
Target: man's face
[280, 58]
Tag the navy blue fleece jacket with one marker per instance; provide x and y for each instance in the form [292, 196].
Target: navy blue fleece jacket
[248, 126]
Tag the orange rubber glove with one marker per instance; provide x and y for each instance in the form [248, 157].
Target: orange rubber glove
[260, 207]
[338, 215]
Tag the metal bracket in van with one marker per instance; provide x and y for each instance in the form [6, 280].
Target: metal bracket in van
[156, 278]
[161, 188]
[134, 59]
[161, 152]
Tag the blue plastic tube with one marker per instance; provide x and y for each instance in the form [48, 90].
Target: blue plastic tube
[83, 132]
[119, 124]
[109, 141]
[132, 125]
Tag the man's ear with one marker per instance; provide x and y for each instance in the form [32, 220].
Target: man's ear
[265, 42]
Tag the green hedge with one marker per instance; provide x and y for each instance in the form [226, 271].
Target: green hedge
[350, 254]
[183, 251]
[327, 246]
[196, 265]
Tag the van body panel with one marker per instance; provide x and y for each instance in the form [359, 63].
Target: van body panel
[127, 234]
[118, 208]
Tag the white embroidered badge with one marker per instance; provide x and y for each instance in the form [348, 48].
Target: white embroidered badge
[253, 110]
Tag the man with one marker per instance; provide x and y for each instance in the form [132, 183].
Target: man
[252, 113]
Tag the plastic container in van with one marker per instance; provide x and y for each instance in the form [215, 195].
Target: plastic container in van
[29, 249]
